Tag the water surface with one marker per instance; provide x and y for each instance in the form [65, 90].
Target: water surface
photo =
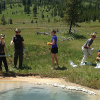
[26, 91]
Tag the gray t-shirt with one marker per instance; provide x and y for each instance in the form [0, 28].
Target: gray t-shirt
[89, 42]
[2, 46]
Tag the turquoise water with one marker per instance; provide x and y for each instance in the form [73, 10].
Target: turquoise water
[26, 91]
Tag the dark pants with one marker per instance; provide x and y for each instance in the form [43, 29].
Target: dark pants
[4, 61]
[18, 52]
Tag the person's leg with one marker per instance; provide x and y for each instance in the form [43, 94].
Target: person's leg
[85, 55]
[20, 58]
[98, 58]
[0, 63]
[5, 63]
[55, 56]
[15, 57]
[52, 58]
[89, 52]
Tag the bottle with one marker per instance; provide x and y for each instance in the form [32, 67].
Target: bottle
[71, 63]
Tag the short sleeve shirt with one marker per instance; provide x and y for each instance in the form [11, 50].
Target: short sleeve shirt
[2, 45]
[89, 42]
[55, 38]
[99, 51]
[17, 39]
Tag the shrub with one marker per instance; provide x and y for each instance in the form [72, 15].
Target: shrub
[10, 21]
[32, 21]
[78, 36]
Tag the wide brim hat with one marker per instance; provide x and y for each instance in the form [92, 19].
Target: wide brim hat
[17, 30]
[2, 36]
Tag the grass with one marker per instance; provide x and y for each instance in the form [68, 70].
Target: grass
[37, 59]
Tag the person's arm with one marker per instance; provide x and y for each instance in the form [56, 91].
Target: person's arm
[12, 41]
[53, 42]
[88, 46]
[23, 45]
[98, 54]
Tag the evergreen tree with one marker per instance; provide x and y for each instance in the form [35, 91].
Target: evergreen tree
[10, 21]
[35, 10]
[29, 2]
[55, 12]
[10, 6]
[3, 20]
[0, 8]
[40, 1]
[32, 21]
[27, 9]
[24, 2]
[42, 15]
[61, 13]
[72, 12]
[48, 20]
[3, 5]
[52, 13]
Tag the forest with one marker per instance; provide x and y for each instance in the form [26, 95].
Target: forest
[88, 10]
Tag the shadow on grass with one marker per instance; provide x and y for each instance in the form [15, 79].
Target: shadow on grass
[25, 67]
[8, 74]
[61, 68]
[93, 64]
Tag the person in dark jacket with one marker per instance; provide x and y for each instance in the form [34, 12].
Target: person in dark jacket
[18, 48]
[2, 53]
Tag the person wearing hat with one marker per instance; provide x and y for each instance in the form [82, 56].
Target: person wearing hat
[2, 53]
[18, 48]
[86, 48]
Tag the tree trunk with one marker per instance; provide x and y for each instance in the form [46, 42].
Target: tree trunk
[70, 27]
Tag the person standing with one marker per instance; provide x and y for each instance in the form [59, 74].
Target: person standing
[2, 53]
[54, 49]
[18, 48]
[86, 48]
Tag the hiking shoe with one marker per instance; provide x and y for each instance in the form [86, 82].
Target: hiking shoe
[53, 68]
[58, 67]
[81, 64]
[19, 68]
[14, 66]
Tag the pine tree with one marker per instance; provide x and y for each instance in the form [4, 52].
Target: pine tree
[42, 15]
[10, 6]
[28, 9]
[3, 20]
[29, 2]
[55, 12]
[3, 5]
[24, 2]
[0, 9]
[72, 12]
[35, 10]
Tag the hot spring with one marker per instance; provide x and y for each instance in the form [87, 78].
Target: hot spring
[13, 90]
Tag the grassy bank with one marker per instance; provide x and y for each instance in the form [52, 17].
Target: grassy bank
[37, 59]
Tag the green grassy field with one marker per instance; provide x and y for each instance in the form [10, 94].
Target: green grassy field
[37, 58]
